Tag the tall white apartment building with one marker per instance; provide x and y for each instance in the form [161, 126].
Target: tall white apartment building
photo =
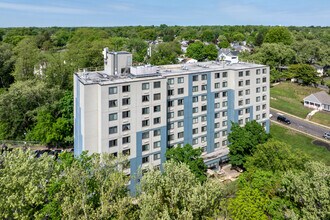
[140, 111]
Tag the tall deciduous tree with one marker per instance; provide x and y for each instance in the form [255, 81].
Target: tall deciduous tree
[177, 194]
[279, 34]
[165, 53]
[244, 140]
[304, 72]
[190, 156]
[195, 50]
[6, 65]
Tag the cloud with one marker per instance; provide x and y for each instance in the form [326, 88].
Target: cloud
[122, 7]
[42, 8]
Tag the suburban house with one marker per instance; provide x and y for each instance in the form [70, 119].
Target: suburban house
[228, 55]
[319, 100]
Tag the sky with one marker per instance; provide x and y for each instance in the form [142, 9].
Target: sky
[72, 13]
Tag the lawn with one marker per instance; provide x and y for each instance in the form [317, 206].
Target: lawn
[300, 142]
[288, 97]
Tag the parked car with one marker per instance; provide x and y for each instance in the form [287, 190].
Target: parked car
[283, 119]
[326, 135]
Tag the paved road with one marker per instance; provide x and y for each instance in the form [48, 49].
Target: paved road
[301, 124]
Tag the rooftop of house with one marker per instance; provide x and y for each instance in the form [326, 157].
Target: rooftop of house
[322, 96]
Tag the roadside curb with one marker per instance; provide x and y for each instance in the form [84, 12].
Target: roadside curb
[294, 129]
[300, 118]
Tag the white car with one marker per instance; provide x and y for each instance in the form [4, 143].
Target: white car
[327, 135]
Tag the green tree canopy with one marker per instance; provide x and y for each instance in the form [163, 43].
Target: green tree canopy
[304, 72]
[190, 156]
[244, 140]
[195, 50]
[6, 65]
[165, 53]
[279, 34]
[210, 52]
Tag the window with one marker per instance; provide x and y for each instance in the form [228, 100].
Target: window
[171, 126]
[170, 114]
[216, 145]
[195, 110]
[247, 110]
[145, 135]
[126, 114]
[180, 124]
[156, 85]
[113, 130]
[195, 141]
[112, 90]
[258, 71]
[258, 80]
[113, 143]
[263, 115]
[170, 137]
[224, 94]
[204, 108]
[216, 85]
[224, 104]
[145, 159]
[127, 152]
[180, 135]
[263, 71]
[115, 154]
[224, 75]
[264, 97]
[203, 118]
[180, 113]
[240, 74]
[170, 103]
[240, 83]
[247, 101]
[224, 123]
[126, 127]
[204, 97]
[126, 101]
[258, 108]
[157, 108]
[247, 73]
[240, 112]
[247, 92]
[264, 88]
[180, 91]
[217, 75]
[203, 139]
[145, 147]
[170, 81]
[216, 95]
[145, 110]
[180, 101]
[204, 87]
[264, 106]
[224, 133]
[240, 102]
[240, 93]
[145, 86]
[145, 98]
[257, 89]
[195, 89]
[156, 144]
[195, 120]
[258, 117]
[156, 132]
[180, 80]
[258, 98]
[156, 96]
[217, 105]
[217, 135]
[126, 88]
[170, 92]
[195, 131]
[157, 156]
[264, 79]
[157, 120]
[217, 125]
[195, 78]
[113, 117]
[247, 120]
[204, 77]
[126, 140]
[224, 143]
[247, 82]
[145, 123]
[240, 122]
[113, 103]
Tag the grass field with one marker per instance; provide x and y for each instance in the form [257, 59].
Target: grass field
[288, 97]
[301, 142]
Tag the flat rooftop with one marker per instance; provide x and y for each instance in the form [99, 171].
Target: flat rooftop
[102, 78]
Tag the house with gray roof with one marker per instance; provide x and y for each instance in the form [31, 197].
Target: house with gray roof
[319, 100]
